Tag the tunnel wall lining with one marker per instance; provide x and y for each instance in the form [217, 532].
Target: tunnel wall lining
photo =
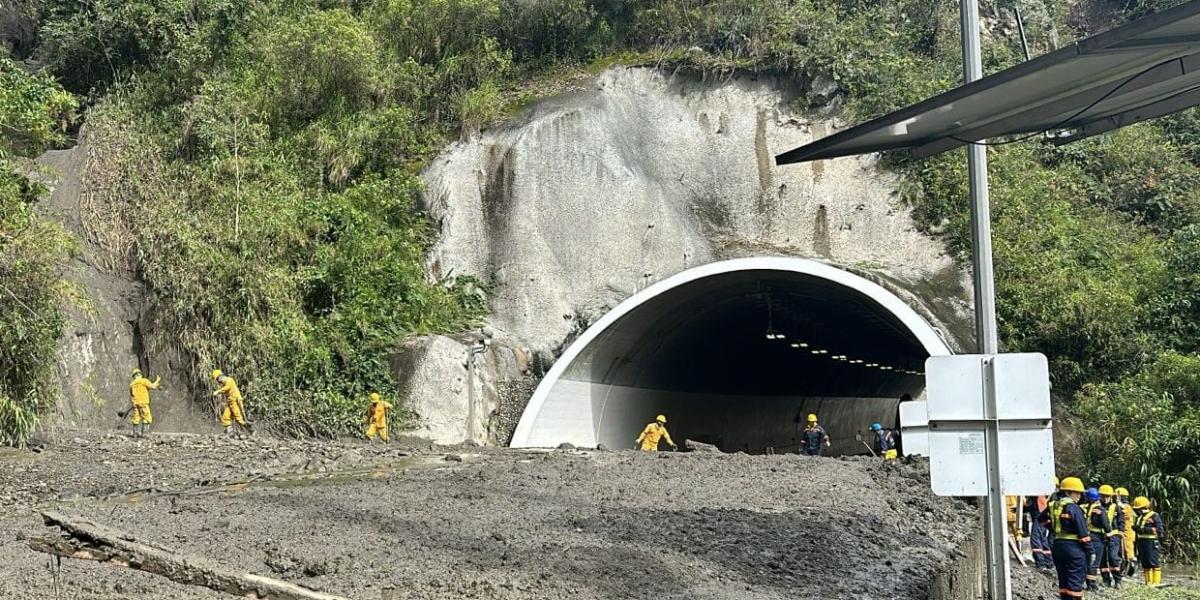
[550, 418]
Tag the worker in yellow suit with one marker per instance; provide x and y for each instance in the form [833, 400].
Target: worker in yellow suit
[139, 397]
[648, 441]
[377, 411]
[233, 402]
[1127, 536]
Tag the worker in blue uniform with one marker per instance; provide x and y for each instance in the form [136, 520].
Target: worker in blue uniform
[814, 439]
[1098, 530]
[886, 438]
[1039, 537]
[1072, 549]
[1148, 526]
[1112, 561]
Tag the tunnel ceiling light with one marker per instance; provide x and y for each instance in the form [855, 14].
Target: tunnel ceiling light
[795, 344]
[823, 351]
[857, 361]
[816, 351]
[803, 344]
[872, 364]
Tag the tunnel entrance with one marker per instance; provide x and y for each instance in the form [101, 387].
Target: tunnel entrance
[736, 354]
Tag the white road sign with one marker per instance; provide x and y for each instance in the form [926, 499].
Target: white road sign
[956, 387]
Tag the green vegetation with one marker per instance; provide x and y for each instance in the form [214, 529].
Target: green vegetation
[263, 159]
[34, 111]
[1141, 592]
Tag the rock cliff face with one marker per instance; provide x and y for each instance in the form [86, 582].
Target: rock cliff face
[588, 197]
[585, 198]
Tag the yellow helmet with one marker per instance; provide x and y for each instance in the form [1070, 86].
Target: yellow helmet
[661, 418]
[1141, 502]
[1122, 491]
[216, 373]
[1106, 490]
[812, 418]
[1071, 484]
[136, 371]
[374, 397]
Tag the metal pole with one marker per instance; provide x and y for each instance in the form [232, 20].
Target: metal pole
[1021, 30]
[985, 318]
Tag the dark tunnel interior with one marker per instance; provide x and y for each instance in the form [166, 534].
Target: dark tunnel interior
[739, 358]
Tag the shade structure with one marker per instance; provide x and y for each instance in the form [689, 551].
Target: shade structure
[1144, 69]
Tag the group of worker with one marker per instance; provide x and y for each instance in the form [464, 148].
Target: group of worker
[813, 438]
[1093, 534]
[233, 412]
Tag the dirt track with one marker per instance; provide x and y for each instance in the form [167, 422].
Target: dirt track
[370, 522]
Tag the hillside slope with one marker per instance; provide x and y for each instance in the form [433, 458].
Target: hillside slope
[259, 158]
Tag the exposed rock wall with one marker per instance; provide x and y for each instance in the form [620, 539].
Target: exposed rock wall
[588, 197]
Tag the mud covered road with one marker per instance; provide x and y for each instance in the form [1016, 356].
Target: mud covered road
[371, 522]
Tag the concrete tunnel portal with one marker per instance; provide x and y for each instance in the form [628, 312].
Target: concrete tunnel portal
[736, 353]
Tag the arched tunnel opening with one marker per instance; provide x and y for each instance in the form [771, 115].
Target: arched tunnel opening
[736, 354]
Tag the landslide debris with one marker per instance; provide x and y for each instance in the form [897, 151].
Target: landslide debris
[500, 524]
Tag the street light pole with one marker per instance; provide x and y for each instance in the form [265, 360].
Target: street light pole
[986, 337]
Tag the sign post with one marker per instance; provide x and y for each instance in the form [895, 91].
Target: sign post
[973, 397]
[986, 338]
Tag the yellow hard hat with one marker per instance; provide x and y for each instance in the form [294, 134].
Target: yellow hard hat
[374, 397]
[661, 418]
[1122, 491]
[812, 418]
[1071, 484]
[1106, 490]
[216, 373]
[1141, 502]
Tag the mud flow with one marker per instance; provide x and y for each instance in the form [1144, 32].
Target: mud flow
[352, 520]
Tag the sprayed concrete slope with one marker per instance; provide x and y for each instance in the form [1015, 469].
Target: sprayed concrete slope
[586, 198]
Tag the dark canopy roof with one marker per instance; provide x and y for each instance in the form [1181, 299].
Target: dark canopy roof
[1141, 70]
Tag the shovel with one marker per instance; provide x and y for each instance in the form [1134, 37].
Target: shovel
[858, 436]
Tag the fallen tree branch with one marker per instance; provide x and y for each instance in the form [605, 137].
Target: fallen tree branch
[85, 540]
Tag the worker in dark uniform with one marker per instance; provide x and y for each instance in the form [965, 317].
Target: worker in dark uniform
[1039, 537]
[813, 440]
[1072, 544]
[1148, 526]
[1112, 562]
[886, 439]
[1098, 528]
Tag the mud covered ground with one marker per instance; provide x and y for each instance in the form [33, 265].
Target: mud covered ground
[372, 522]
